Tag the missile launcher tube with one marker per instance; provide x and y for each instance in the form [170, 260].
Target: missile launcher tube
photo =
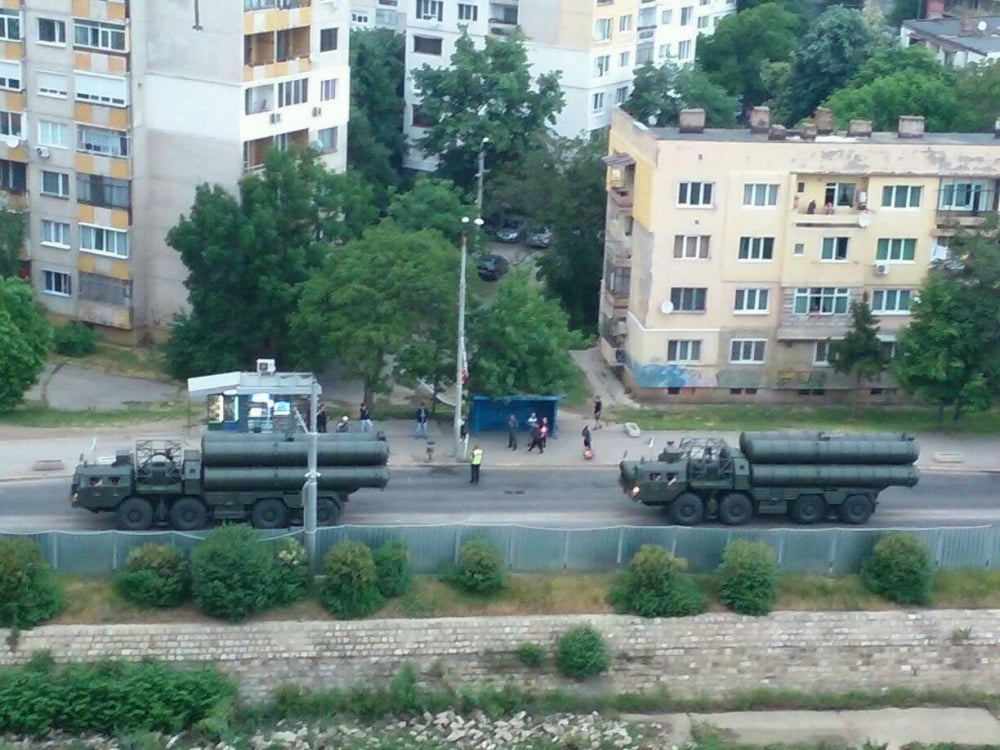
[810, 435]
[827, 452]
[289, 479]
[275, 453]
[779, 475]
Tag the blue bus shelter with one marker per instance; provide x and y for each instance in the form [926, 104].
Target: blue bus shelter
[490, 414]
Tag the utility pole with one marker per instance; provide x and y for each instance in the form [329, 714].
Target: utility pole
[312, 481]
[480, 175]
[460, 350]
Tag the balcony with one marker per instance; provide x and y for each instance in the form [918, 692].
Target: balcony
[618, 251]
[503, 18]
[251, 5]
[270, 47]
[946, 220]
[622, 196]
[831, 216]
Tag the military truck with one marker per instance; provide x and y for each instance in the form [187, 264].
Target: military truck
[234, 477]
[810, 476]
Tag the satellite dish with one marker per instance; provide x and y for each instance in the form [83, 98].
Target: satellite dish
[12, 141]
[666, 307]
[864, 219]
[981, 26]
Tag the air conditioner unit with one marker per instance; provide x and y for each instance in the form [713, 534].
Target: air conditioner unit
[881, 269]
[317, 111]
[265, 367]
[43, 153]
[275, 117]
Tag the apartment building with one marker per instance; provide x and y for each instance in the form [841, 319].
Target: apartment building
[957, 42]
[113, 111]
[732, 256]
[597, 45]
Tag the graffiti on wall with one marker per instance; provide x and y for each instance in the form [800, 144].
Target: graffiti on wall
[801, 379]
[664, 375]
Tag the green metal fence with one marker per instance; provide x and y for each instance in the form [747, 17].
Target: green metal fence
[528, 549]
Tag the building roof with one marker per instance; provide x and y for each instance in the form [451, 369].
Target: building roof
[949, 31]
[745, 135]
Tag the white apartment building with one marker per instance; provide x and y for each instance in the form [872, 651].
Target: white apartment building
[112, 112]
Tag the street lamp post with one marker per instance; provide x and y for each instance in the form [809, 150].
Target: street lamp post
[480, 175]
[460, 351]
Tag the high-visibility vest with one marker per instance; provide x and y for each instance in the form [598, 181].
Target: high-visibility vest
[477, 456]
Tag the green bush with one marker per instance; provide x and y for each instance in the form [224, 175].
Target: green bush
[74, 339]
[28, 594]
[233, 574]
[480, 568]
[40, 697]
[392, 568]
[900, 569]
[350, 584]
[581, 652]
[155, 575]
[292, 580]
[531, 654]
[748, 578]
[654, 585]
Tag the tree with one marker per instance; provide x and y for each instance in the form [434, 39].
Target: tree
[484, 93]
[660, 93]
[27, 336]
[520, 343]
[830, 53]
[949, 355]
[246, 257]
[860, 351]
[12, 234]
[903, 93]
[732, 57]
[377, 144]
[389, 291]
[904, 10]
[432, 203]
[979, 97]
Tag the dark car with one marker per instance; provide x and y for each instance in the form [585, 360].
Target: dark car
[539, 237]
[492, 267]
[511, 230]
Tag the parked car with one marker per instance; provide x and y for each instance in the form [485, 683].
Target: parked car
[511, 230]
[539, 237]
[492, 267]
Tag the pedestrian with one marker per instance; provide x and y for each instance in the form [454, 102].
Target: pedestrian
[512, 432]
[588, 452]
[344, 425]
[543, 434]
[597, 412]
[532, 421]
[535, 431]
[321, 418]
[463, 434]
[421, 420]
[475, 463]
[365, 417]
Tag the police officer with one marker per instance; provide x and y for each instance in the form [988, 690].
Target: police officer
[475, 462]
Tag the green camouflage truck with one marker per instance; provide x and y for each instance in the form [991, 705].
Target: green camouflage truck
[810, 476]
[235, 477]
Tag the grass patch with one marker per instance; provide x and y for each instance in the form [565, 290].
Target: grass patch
[966, 589]
[130, 361]
[37, 415]
[578, 392]
[770, 417]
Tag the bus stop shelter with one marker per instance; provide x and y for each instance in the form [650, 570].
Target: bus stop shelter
[490, 414]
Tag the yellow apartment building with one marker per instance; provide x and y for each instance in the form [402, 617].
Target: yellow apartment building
[732, 256]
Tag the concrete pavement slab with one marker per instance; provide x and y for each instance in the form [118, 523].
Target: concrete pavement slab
[896, 727]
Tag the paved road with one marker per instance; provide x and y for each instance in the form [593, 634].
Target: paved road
[537, 497]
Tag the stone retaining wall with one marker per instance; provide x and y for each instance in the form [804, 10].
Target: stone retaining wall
[711, 655]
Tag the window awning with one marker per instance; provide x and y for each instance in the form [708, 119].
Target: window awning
[618, 159]
[248, 383]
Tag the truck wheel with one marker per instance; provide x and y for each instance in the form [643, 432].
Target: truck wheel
[735, 509]
[687, 510]
[808, 509]
[270, 513]
[327, 511]
[188, 514]
[135, 514]
[856, 510]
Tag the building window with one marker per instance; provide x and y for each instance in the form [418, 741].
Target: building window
[51, 31]
[747, 351]
[55, 282]
[688, 299]
[102, 141]
[602, 64]
[55, 233]
[644, 53]
[294, 92]
[328, 40]
[359, 17]
[98, 288]
[328, 89]
[625, 23]
[468, 12]
[892, 301]
[597, 102]
[703, 22]
[664, 52]
[839, 194]
[686, 14]
[624, 59]
[100, 35]
[799, 249]
[964, 195]
[666, 16]
[683, 351]
[419, 119]
[54, 134]
[621, 95]
[52, 84]
[760, 194]
[98, 190]
[751, 301]
[104, 241]
[834, 248]
[10, 25]
[327, 138]
[888, 349]
[386, 17]
[691, 246]
[901, 196]
[684, 50]
[821, 354]
[55, 183]
[893, 249]
[695, 193]
[756, 248]
[11, 124]
[602, 29]
[10, 75]
[13, 176]
[430, 10]
[821, 300]
[101, 89]
[427, 45]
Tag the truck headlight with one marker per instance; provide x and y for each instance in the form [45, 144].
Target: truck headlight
[635, 491]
